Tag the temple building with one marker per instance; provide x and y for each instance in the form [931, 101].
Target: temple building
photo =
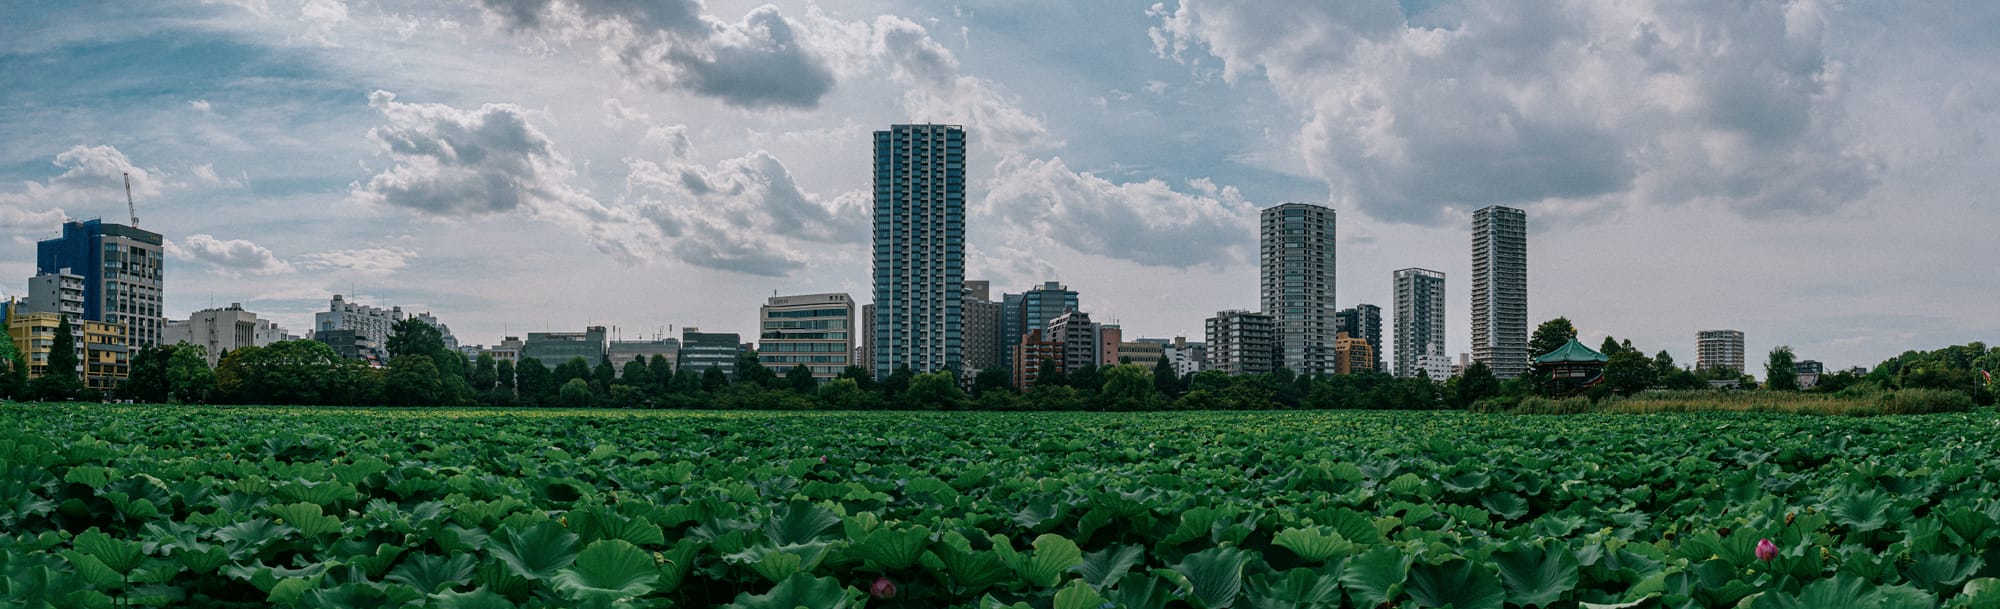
[1571, 368]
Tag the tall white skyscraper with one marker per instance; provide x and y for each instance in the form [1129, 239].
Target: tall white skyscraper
[919, 248]
[1500, 290]
[1296, 263]
[1419, 320]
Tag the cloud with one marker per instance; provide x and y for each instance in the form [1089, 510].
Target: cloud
[320, 17]
[366, 261]
[1573, 105]
[758, 62]
[1145, 222]
[743, 214]
[200, 105]
[93, 179]
[451, 162]
[231, 256]
[672, 138]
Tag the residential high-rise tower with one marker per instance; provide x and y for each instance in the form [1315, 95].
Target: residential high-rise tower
[1718, 349]
[1419, 319]
[919, 248]
[1500, 290]
[1296, 271]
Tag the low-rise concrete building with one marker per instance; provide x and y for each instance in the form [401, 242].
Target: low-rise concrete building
[221, 330]
[554, 348]
[1240, 342]
[811, 330]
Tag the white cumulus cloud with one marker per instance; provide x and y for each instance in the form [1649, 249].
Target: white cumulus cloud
[228, 256]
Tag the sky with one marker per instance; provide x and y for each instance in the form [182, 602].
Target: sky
[1817, 174]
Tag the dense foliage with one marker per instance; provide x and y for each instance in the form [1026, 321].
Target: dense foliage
[252, 507]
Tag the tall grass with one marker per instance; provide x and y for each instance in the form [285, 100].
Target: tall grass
[1862, 403]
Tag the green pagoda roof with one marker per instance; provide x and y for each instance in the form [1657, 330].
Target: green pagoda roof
[1571, 352]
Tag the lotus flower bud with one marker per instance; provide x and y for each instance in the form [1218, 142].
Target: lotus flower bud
[882, 589]
[1766, 550]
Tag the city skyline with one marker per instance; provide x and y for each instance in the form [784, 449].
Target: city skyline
[1811, 186]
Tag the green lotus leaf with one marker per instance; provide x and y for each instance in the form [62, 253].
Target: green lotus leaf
[535, 552]
[1536, 575]
[429, 573]
[308, 518]
[608, 570]
[1315, 544]
[1376, 576]
[893, 549]
[1216, 574]
[971, 570]
[1860, 511]
[117, 554]
[1456, 583]
[800, 590]
[478, 598]
[1844, 592]
[1079, 595]
[1296, 589]
[799, 522]
[1102, 569]
[1042, 567]
[1941, 572]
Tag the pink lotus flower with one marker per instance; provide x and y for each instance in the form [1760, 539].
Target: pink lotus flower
[882, 589]
[822, 458]
[1766, 550]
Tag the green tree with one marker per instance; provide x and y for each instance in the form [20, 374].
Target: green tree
[862, 377]
[146, 380]
[935, 391]
[603, 375]
[1609, 348]
[1165, 382]
[503, 377]
[576, 393]
[189, 381]
[898, 382]
[59, 380]
[575, 368]
[713, 379]
[845, 394]
[1475, 384]
[1087, 379]
[13, 371]
[1780, 373]
[288, 372]
[413, 380]
[534, 385]
[411, 336]
[993, 378]
[751, 371]
[1050, 374]
[484, 373]
[662, 372]
[635, 373]
[1628, 372]
[1129, 387]
[1551, 335]
[800, 379]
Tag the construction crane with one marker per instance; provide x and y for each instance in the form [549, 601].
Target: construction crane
[130, 207]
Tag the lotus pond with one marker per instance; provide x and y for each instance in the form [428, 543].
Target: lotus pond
[255, 507]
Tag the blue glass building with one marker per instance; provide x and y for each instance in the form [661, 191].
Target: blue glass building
[121, 270]
[919, 248]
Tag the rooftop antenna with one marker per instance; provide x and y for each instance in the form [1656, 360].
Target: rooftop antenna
[131, 207]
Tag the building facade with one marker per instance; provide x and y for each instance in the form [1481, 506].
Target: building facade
[814, 330]
[1033, 309]
[552, 349]
[1364, 322]
[1079, 340]
[103, 360]
[1718, 349]
[122, 270]
[1352, 354]
[1419, 321]
[1240, 342]
[509, 349]
[981, 335]
[703, 350]
[1145, 352]
[919, 252]
[219, 330]
[622, 352]
[1029, 354]
[1109, 336]
[1500, 290]
[366, 329]
[55, 293]
[1296, 271]
[1187, 357]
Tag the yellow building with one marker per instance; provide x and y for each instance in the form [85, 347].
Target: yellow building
[100, 347]
[106, 358]
[1352, 354]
